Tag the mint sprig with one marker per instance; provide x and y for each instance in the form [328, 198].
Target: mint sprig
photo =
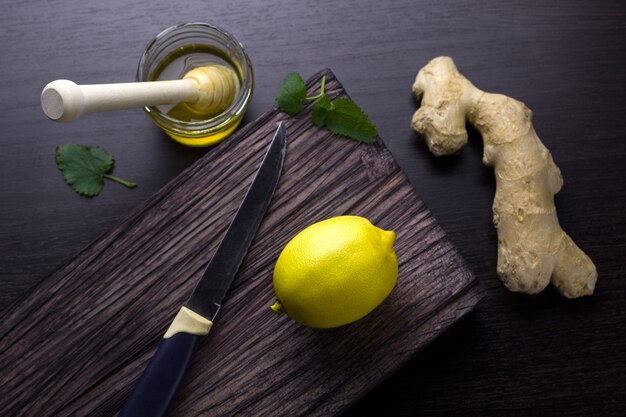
[341, 116]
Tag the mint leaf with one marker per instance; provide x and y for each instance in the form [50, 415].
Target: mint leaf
[84, 168]
[347, 119]
[291, 93]
[320, 110]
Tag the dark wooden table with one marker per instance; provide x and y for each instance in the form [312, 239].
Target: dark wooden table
[515, 355]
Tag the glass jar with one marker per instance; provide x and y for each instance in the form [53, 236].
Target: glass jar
[198, 38]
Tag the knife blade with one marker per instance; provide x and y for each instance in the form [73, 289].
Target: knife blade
[156, 387]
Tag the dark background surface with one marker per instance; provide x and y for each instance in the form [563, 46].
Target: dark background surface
[515, 354]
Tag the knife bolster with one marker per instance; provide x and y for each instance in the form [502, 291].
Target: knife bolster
[188, 321]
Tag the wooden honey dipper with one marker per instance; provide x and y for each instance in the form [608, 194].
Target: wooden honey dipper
[206, 90]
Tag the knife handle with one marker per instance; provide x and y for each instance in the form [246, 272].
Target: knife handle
[156, 387]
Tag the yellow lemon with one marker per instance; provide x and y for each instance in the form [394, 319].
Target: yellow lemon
[335, 272]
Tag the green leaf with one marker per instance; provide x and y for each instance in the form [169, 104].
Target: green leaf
[84, 168]
[320, 110]
[291, 93]
[341, 116]
[347, 119]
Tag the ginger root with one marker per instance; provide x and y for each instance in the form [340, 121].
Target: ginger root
[533, 250]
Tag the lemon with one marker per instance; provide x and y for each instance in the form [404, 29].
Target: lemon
[335, 272]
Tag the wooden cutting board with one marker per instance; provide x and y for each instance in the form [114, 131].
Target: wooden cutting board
[76, 344]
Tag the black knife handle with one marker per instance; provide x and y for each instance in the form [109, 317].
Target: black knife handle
[156, 387]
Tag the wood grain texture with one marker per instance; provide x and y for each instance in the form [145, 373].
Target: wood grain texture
[77, 343]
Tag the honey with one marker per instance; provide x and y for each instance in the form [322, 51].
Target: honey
[181, 62]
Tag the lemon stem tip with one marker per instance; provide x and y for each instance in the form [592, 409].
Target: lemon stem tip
[277, 307]
[389, 237]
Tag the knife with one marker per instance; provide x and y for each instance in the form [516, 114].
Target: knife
[156, 387]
